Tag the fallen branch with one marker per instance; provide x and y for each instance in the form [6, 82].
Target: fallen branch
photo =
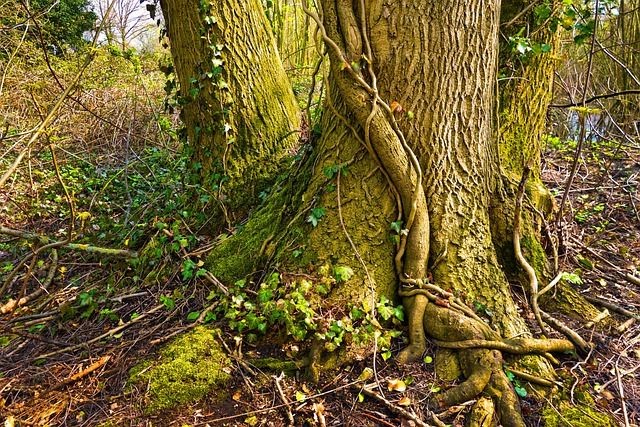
[91, 368]
[284, 399]
[73, 246]
[622, 399]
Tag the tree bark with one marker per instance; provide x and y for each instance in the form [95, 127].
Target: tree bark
[241, 117]
[409, 137]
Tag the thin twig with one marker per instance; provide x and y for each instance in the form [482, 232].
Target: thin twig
[393, 407]
[622, 400]
[73, 246]
[283, 397]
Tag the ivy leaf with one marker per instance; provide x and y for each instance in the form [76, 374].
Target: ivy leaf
[316, 214]
[396, 226]
[398, 312]
[521, 391]
[265, 294]
[385, 312]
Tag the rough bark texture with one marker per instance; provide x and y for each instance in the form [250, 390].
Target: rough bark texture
[258, 106]
[446, 52]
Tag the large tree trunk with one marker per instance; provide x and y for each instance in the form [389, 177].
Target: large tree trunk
[435, 67]
[409, 133]
[438, 62]
[241, 116]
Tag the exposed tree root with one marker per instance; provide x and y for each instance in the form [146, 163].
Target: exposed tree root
[533, 279]
[513, 346]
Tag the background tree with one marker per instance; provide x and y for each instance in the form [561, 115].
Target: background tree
[126, 22]
[64, 22]
[241, 118]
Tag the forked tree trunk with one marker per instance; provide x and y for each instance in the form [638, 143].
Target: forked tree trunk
[241, 116]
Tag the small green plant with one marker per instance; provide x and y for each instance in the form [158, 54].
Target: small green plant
[517, 385]
[110, 314]
[396, 227]
[315, 215]
[332, 170]
[168, 302]
[572, 278]
[87, 303]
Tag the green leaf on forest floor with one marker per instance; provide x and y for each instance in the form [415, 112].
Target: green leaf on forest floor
[168, 302]
[585, 262]
[315, 215]
[572, 278]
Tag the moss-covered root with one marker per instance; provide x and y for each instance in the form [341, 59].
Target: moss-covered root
[414, 306]
[189, 368]
[481, 413]
[482, 367]
[513, 346]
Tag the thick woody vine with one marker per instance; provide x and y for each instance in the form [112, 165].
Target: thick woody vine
[430, 308]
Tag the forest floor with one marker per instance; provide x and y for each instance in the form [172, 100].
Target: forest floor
[65, 355]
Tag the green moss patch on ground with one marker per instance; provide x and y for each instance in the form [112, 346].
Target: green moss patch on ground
[190, 367]
[584, 414]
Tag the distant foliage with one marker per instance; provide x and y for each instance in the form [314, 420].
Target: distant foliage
[62, 23]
